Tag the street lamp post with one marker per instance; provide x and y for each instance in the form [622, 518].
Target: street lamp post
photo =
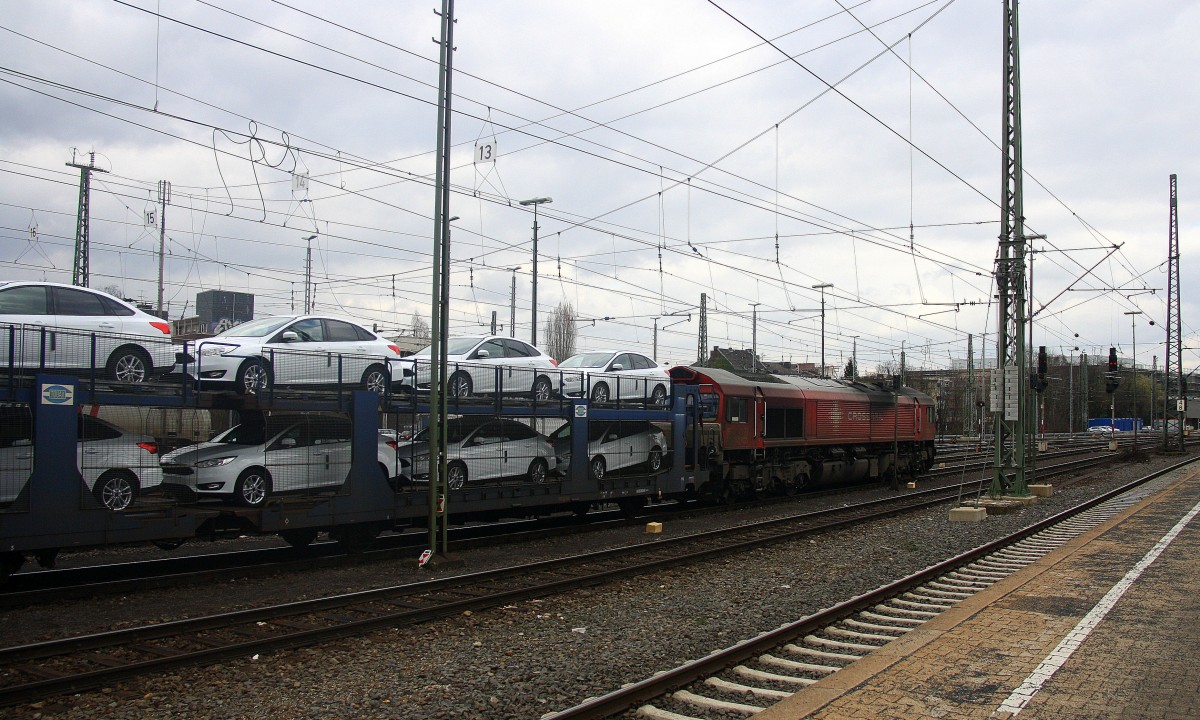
[308, 294]
[512, 307]
[822, 287]
[1133, 332]
[535, 202]
[754, 337]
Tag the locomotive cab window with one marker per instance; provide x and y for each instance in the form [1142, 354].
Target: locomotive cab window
[735, 409]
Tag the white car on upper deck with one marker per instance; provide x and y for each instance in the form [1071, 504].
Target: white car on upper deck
[616, 375]
[482, 365]
[294, 350]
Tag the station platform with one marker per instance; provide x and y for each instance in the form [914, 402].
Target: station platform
[1107, 626]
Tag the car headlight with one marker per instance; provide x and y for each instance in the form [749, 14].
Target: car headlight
[217, 350]
[215, 462]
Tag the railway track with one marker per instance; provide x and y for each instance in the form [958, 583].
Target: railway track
[755, 673]
[138, 576]
[33, 671]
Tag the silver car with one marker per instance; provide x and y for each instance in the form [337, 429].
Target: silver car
[482, 448]
[614, 445]
[257, 459]
[483, 365]
[74, 329]
[294, 350]
[621, 375]
[116, 465]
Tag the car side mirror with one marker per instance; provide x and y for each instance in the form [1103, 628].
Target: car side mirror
[617, 367]
[483, 354]
[610, 438]
[290, 336]
[287, 442]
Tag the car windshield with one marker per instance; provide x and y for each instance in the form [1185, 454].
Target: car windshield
[454, 346]
[256, 328]
[254, 433]
[586, 360]
[456, 431]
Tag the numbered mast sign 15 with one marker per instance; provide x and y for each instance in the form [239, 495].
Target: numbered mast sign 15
[486, 151]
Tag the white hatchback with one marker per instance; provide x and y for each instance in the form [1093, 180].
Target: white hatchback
[615, 375]
[483, 365]
[74, 329]
[614, 445]
[294, 350]
[260, 458]
[482, 448]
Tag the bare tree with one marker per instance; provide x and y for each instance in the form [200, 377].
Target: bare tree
[420, 328]
[885, 370]
[114, 290]
[559, 336]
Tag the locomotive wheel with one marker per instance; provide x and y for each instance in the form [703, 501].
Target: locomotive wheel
[630, 507]
[299, 538]
[355, 538]
[10, 562]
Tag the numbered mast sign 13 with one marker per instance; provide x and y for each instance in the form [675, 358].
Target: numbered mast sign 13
[486, 151]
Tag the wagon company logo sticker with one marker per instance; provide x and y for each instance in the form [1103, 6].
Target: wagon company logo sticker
[55, 394]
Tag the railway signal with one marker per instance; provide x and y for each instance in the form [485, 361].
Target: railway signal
[1112, 381]
[1039, 379]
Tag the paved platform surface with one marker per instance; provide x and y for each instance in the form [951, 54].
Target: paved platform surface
[1105, 627]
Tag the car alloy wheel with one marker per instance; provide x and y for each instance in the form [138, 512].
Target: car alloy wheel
[116, 490]
[129, 365]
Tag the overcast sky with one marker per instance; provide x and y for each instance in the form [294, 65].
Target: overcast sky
[683, 154]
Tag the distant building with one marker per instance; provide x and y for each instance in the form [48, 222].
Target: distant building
[219, 310]
[744, 361]
[408, 344]
[148, 308]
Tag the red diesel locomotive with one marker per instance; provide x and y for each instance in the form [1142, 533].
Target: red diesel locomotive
[764, 432]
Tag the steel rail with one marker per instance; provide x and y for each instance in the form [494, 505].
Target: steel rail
[660, 684]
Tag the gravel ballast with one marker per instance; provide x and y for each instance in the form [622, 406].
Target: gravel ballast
[533, 657]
